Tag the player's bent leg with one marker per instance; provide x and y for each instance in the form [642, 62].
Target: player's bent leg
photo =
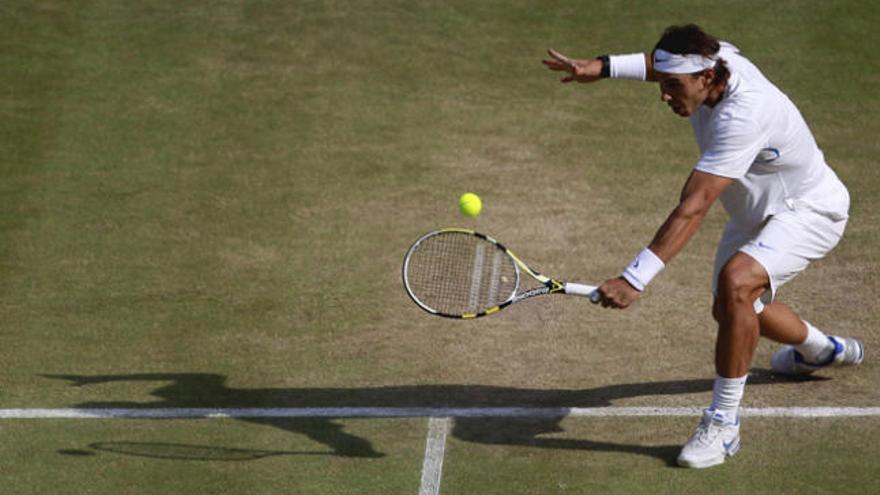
[780, 324]
[785, 246]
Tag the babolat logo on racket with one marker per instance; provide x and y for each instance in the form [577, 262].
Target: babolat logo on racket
[459, 273]
[537, 291]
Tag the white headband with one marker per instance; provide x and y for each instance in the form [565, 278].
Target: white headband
[673, 63]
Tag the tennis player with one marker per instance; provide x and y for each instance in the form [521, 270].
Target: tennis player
[787, 208]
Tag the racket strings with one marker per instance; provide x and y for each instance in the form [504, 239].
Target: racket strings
[457, 273]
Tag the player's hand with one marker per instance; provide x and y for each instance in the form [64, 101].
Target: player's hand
[617, 293]
[583, 71]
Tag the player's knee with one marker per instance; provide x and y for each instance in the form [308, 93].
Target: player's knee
[735, 286]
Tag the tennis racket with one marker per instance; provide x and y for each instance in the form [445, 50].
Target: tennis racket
[459, 273]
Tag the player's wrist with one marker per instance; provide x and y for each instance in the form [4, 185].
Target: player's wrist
[630, 66]
[643, 268]
[606, 66]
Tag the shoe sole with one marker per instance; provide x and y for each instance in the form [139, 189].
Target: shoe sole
[861, 352]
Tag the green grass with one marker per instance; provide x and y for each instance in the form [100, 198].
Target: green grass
[227, 188]
[603, 456]
[204, 457]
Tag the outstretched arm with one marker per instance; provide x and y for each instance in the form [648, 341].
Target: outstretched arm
[699, 193]
[587, 70]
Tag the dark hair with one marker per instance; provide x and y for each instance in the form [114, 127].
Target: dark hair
[691, 39]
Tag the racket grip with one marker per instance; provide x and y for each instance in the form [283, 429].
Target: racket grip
[582, 290]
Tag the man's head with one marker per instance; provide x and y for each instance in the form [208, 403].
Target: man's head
[688, 68]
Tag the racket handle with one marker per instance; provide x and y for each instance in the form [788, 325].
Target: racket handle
[582, 290]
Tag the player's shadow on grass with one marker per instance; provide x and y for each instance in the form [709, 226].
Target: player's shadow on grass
[204, 390]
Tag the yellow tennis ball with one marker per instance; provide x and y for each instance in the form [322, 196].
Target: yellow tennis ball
[470, 204]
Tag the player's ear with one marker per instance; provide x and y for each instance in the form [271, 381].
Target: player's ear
[707, 76]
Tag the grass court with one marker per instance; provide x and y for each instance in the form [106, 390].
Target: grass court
[206, 204]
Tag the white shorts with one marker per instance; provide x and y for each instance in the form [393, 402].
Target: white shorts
[784, 245]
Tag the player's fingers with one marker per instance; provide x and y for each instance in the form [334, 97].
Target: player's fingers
[563, 62]
[608, 302]
[558, 56]
[559, 66]
[616, 300]
[553, 65]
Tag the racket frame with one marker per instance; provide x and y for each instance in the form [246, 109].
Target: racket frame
[548, 285]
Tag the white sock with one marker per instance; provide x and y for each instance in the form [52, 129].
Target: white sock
[726, 395]
[817, 348]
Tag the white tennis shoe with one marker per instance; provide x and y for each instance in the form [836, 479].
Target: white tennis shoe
[847, 352]
[716, 438]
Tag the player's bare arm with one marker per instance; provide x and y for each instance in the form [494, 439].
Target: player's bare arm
[697, 196]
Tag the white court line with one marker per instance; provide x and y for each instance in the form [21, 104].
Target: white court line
[422, 412]
[435, 448]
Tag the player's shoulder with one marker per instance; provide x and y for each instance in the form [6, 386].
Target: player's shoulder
[741, 102]
[748, 94]
[747, 80]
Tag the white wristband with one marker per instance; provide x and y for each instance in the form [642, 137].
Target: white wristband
[643, 269]
[631, 66]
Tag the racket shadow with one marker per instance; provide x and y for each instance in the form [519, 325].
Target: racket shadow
[185, 452]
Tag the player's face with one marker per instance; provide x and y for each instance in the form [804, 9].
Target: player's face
[684, 93]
